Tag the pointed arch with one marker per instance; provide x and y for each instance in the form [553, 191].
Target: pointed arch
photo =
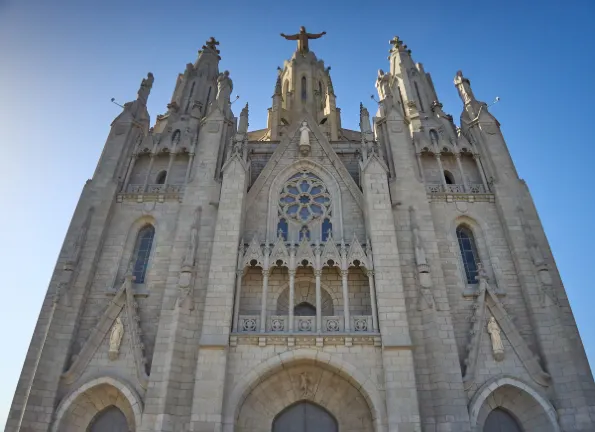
[530, 408]
[367, 388]
[332, 185]
[142, 252]
[106, 392]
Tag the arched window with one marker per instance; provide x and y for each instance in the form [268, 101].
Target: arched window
[111, 419]
[190, 96]
[142, 251]
[175, 138]
[449, 177]
[304, 89]
[327, 229]
[468, 253]
[161, 177]
[282, 228]
[434, 137]
[208, 98]
[500, 420]
[421, 104]
[304, 309]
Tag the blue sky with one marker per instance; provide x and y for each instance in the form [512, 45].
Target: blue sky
[62, 61]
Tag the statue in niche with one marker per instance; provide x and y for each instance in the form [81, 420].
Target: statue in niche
[115, 339]
[224, 89]
[305, 385]
[497, 346]
[304, 139]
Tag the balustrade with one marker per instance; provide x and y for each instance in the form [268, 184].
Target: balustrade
[304, 324]
[158, 189]
[435, 188]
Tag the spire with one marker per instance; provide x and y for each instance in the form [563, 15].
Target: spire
[331, 89]
[278, 88]
[364, 119]
[473, 107]
[243, 126]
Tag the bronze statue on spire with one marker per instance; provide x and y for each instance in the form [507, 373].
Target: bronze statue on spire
[302, 37]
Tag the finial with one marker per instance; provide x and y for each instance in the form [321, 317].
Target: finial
[398, 45]
[211, 45]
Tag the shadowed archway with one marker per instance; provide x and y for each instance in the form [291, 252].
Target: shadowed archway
[305, 416]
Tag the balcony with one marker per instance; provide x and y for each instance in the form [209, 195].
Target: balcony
[152, 192]
[458, 192]
[305, 324]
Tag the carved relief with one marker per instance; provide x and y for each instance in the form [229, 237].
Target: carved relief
[304, 145]
[497, 345]
[115, 339]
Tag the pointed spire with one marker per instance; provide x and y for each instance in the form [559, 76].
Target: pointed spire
[278, 87]
[243, 126]
[331, 89]
[364, 119]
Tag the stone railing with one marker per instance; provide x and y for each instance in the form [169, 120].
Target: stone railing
[437, 188]
[305, 324]
[151, 192]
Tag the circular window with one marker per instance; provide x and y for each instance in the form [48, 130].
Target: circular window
[304, 198]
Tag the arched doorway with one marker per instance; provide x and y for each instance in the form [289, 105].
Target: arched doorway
[111, 419]
[305, 417]
[500, 420]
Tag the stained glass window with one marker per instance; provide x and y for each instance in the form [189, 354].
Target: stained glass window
[142, 251]
[282, 228]
[468, 253]
[327, 229]
[304, 198]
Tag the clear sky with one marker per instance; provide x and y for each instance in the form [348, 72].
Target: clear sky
[62, 61]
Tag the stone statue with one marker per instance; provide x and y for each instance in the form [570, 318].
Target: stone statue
[383, 84]
[497, 346]
[463, 85]
[305, 139]
[364, 119]
[302, 37]
[115, 339]
[305, 384]
[224, 89]
[145, 88]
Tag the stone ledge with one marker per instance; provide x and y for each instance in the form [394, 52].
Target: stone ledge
[305, 340]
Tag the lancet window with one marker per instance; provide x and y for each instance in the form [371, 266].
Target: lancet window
[142, 251]
[468, 253]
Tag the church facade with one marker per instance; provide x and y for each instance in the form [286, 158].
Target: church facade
[305, 277]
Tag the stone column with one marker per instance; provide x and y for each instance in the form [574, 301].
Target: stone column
[441, 169]
[481, 172]
[172, 156]
[420, 167]
[291, 298]
[263, 305]
[189, 167]
[152, 156]
[238, 298]
[460, 165]
[373, 300]
[344, 275]
[318, 274]
[133, 159]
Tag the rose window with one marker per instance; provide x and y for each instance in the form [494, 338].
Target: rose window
[304, 198]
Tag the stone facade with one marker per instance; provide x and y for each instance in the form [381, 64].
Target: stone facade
[398, 277]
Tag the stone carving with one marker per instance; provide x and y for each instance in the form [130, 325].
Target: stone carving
[303, 37]
[306, 385]
[224, 89]
[210, 47]
[145, 87]
[543, 273]
[383, 85]
[115, 339]
[243, 126]
[464, 88]
[62, 292]
[185, 298]
[425, 298]
[304, 145]
[497, 346]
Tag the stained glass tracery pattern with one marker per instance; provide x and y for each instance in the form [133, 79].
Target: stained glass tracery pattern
[304, 198]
